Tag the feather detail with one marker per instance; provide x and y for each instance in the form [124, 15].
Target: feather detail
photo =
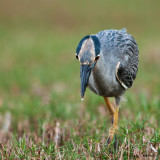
[123, 85]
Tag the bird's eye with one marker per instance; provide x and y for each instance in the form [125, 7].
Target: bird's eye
[76, 56]
[97, 58]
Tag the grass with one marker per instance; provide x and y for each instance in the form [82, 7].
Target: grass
[41, 115]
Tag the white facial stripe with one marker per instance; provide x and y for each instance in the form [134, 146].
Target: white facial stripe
[88, 46]
[98, 55]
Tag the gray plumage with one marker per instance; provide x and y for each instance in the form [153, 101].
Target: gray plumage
[117, 66]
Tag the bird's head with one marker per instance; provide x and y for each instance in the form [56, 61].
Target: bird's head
[88, 53]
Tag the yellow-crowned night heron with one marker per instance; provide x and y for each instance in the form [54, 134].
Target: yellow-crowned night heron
[109, 64]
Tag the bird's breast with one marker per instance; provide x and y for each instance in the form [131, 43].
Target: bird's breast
[102, 80]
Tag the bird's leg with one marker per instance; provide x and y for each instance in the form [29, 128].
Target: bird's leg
[113, 111]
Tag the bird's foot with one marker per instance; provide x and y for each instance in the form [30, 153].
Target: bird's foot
[112, 130]
[113, 111]
[110, 137]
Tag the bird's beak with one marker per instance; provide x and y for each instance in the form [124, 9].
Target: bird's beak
[84, 73]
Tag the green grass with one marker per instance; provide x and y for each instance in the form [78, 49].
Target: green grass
[41, 114]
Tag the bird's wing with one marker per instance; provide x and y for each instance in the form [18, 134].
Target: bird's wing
[127, 67]
[121, 46]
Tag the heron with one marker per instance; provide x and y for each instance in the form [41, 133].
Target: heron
[108, 66]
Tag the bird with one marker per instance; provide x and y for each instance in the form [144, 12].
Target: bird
[109, 63]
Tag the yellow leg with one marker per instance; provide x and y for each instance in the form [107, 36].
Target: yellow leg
[114, 119]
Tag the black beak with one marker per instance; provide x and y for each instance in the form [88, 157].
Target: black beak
[85, 73]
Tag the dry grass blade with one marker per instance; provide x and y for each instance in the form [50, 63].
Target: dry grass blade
[122, 149]
[7, 122]
[57, 136]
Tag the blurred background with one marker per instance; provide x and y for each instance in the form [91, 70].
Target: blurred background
[39, 74]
